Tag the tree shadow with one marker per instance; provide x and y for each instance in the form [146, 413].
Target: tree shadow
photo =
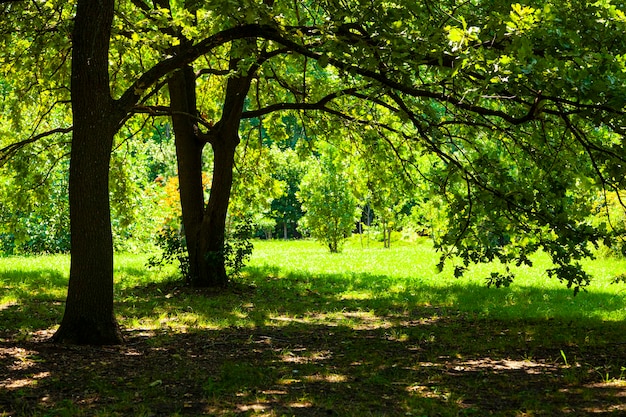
[35, 300]
[267, 292]
[288, 345]
[26, 285]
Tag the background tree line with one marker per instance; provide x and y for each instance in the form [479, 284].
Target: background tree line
[271, 185]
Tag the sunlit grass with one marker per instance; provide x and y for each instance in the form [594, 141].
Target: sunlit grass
[407, 274]
[41, 277]
[290, 282]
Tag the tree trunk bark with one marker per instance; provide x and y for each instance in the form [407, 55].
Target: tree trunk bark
[89, 316]
[182, 87]
[224, 138]
[211, 267]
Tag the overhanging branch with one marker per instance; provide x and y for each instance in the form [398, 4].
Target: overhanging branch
[318, 105]
[8, 151]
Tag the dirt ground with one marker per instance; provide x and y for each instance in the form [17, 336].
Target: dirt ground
[452, 366]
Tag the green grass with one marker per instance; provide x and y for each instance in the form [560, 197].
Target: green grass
[405, 276]
[369, 331]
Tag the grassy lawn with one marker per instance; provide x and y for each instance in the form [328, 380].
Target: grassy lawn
[368, 332]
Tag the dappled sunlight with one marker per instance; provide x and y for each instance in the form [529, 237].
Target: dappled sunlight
[43, 284]
[300, 404]
[21, 383]
[605, 394]
[241, 408]
[302, 355]
[329, 378]
[365, 275]
[527, 366]
[416, 366]
[425, 392]
[356, 320]
[6, 304]
[282, 343]
[22, 360]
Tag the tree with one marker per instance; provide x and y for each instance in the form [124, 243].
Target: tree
[286, 209]
[328, 203]
[205, 226]
[89, 316]
[97, 117]
[493, 92]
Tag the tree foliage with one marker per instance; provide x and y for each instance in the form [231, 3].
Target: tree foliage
[328, 202]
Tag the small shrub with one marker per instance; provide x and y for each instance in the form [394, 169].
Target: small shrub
[173, 248]
[329, 204]
[236, 252]
[238, 246]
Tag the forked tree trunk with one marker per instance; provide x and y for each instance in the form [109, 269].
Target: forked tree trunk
[89, 317]
[205, 228]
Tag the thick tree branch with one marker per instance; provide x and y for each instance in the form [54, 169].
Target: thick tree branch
[186, 56]
[8, 151]
[318, 105]
[157, 111]
[467, 174]
[191, 53]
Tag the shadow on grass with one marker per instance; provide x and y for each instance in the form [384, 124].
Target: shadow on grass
[41, 284]
[348, 345]
[34, 300]
[264, 294]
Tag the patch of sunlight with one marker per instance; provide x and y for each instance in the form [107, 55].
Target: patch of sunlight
[356, 320]
[28, 263]
[239, 313]
[187, 320]
[397, 336]
[526, 366]
[357, 295]
[614, 383]
[308, 357]
[615, 315]
[244, 408]
[424, 391]
[619, 391]
[288, 381]
[300, 404]
[364, 320]
[11, 384]
[274, 392]
[330, 378]
[281, 320]
[7, 302]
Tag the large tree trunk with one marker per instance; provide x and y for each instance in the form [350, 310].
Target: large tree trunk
[205, 228]
[224, 138]
[89, 317]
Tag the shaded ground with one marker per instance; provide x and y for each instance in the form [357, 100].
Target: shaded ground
[417, 363]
